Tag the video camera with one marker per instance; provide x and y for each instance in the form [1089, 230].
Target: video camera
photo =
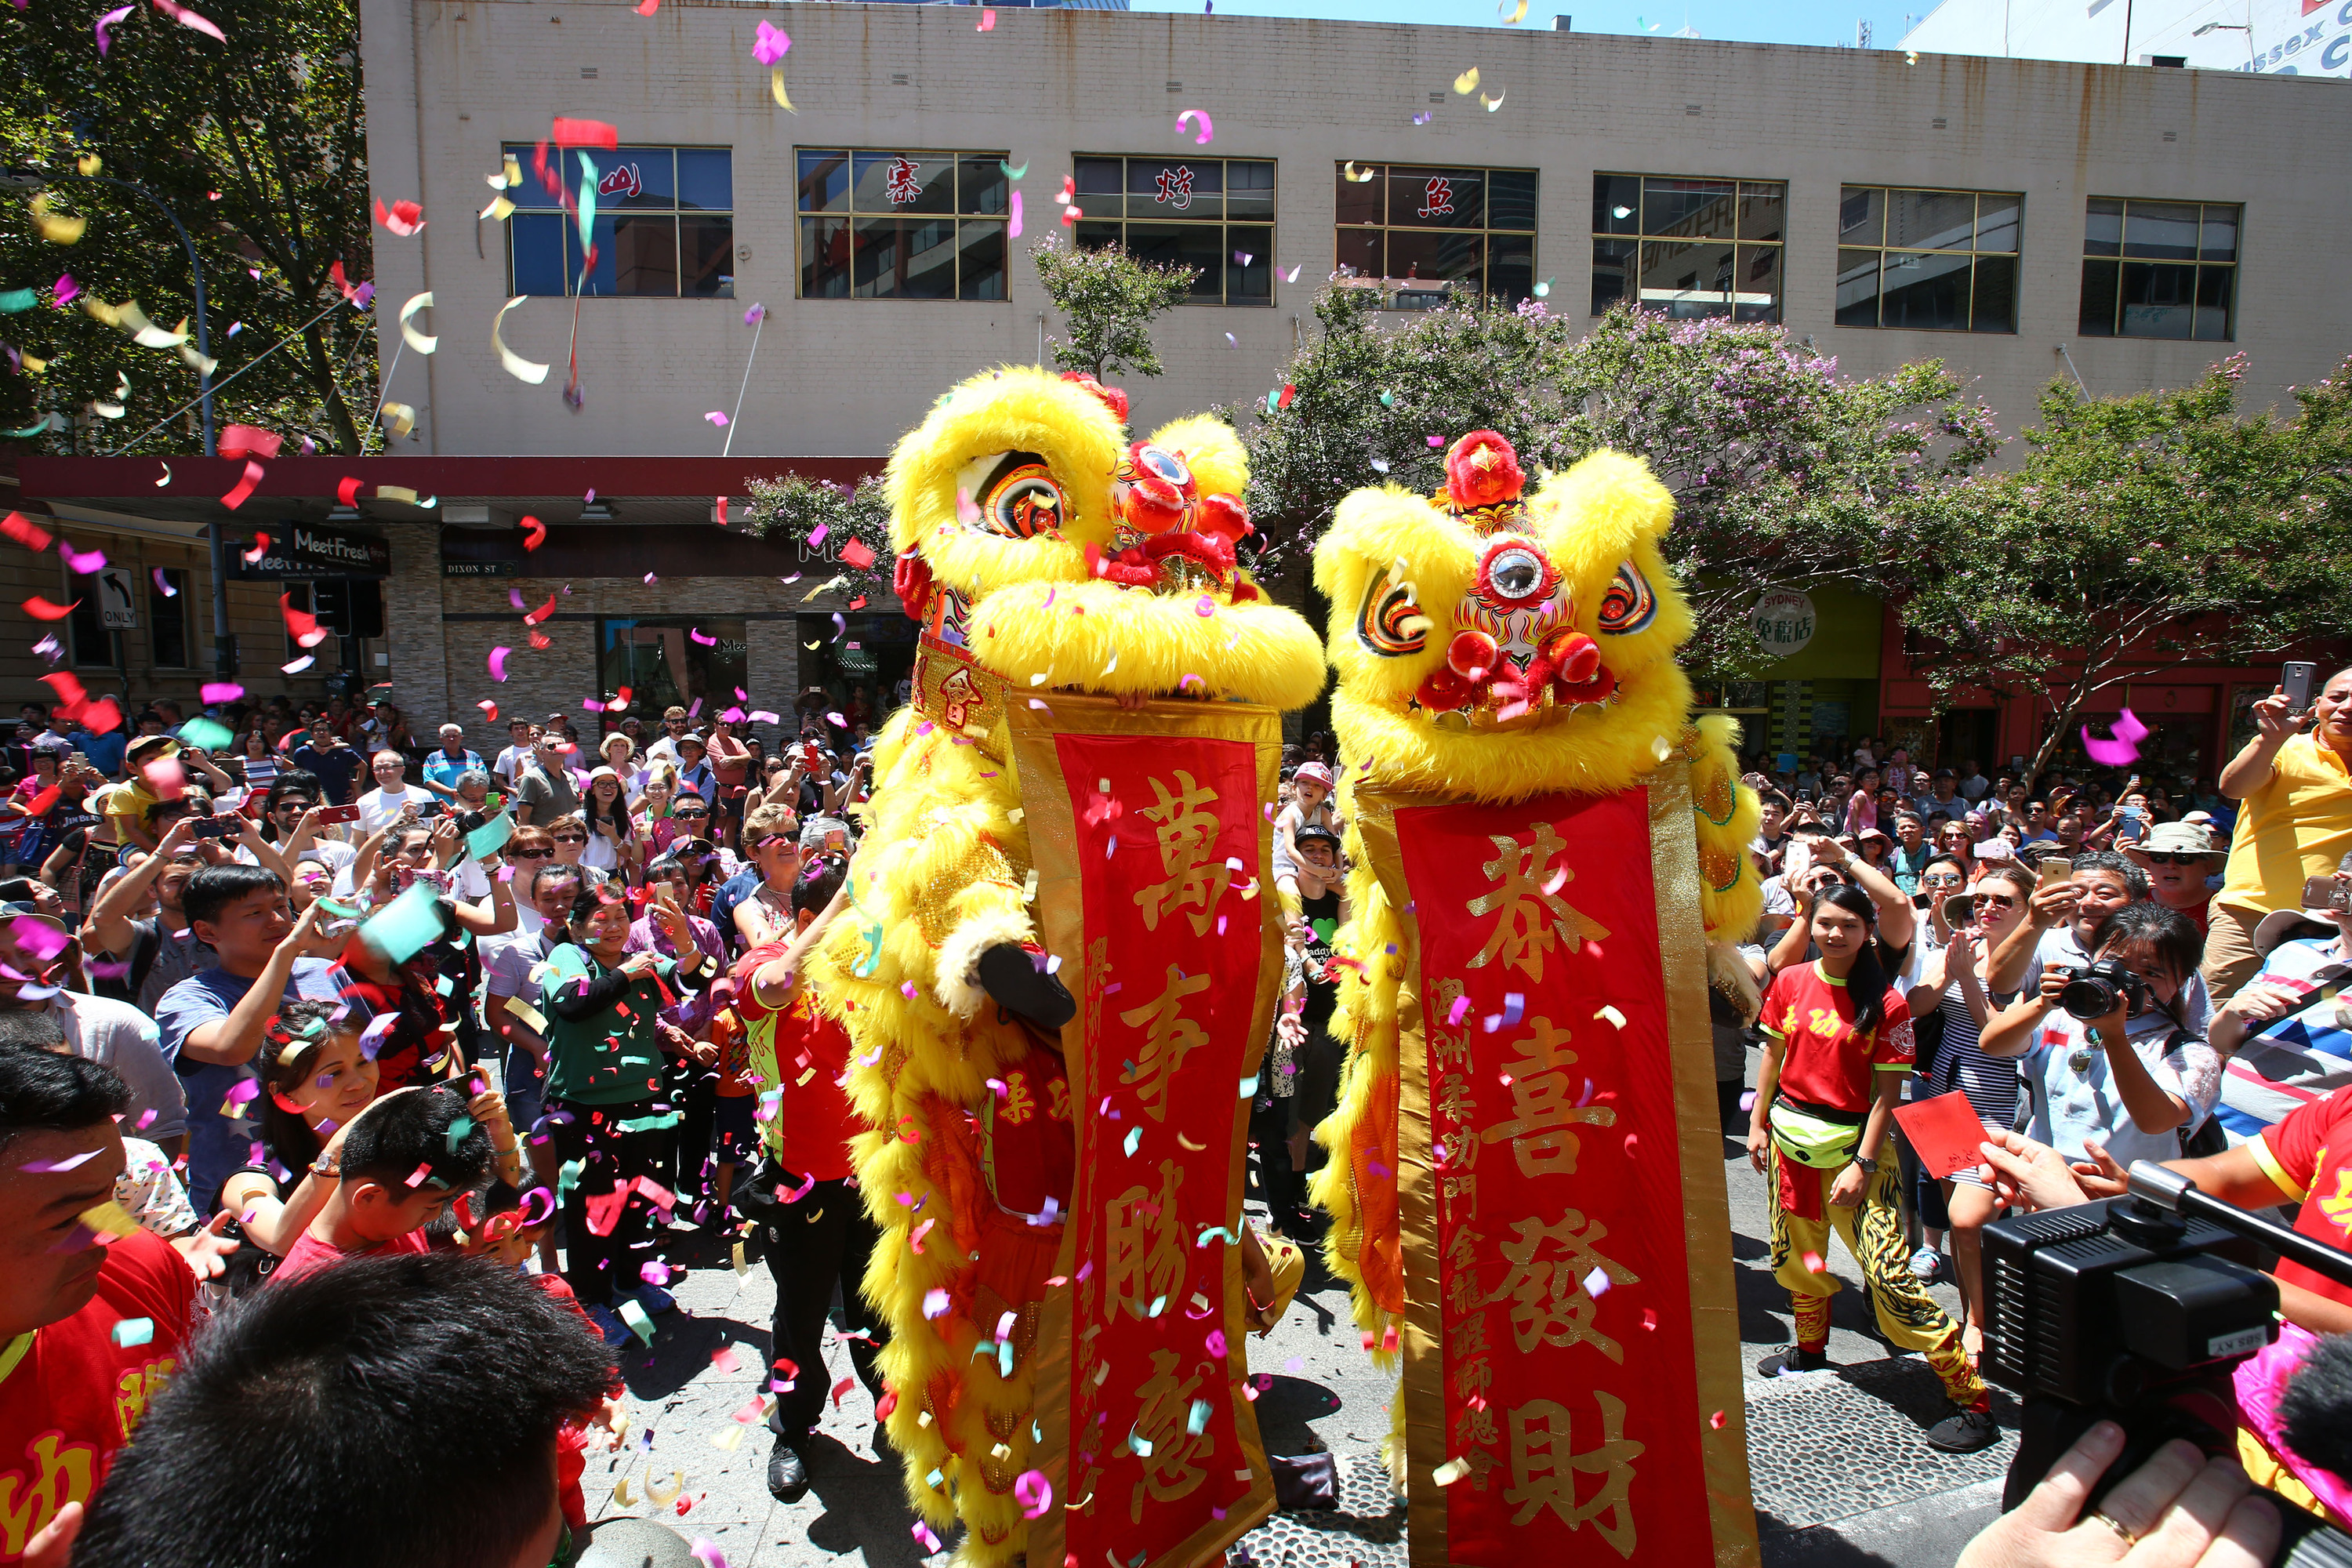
[2137, 1310]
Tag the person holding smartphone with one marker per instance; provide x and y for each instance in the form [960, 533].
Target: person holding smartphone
[2293, 780]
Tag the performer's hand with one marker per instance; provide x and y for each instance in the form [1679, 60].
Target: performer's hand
[2181, 1509]
[1757, 1133]
[1851, 1183]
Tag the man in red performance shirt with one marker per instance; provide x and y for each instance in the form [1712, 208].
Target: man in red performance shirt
[813, 1227]
[92, 1309]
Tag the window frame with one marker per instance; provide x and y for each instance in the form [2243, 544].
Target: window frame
[1224, 223]
[1639, 236]
[534, 205]
[1974, 251]
[961, 224]
[1382, 172]
[156, 598]
[2120, 259]
[723, 664]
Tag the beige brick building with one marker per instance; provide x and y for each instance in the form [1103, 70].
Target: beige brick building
[1991, 212]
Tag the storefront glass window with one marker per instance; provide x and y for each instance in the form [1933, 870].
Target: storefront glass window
[668, 660]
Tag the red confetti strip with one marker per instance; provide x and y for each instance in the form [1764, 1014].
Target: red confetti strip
[24, 532]
[40, 609]
[244, 487]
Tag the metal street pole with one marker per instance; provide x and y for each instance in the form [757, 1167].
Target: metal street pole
[224, 654]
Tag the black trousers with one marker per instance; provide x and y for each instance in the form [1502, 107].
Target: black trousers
[686, 1158]
[599, 1268]
[812, 1246]
[1283, 1187]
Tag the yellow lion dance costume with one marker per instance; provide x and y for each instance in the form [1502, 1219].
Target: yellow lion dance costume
[1496, 647]
[1030, 532]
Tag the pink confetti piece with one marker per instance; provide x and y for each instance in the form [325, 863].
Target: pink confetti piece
[83, 561]
[922, 1533]
[1453, 1014]
[705, 1551]
[1596, 1283]
[769, 45]
[164, 585]
[41, 1167]
[1217, 1343]
[1204, 606]
[916, 1240]
[498, 662]
[934, 1303]
[1514, 1007]
[220, 692]
[753, 1411]
[1207, 129]
[1558, 880]
[716, 418]
[1034, 1492]
[988, 25]
[1014, 232]
[105, 24]
[187, 18]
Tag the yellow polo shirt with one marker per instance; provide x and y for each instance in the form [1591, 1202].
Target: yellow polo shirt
[2298, 825]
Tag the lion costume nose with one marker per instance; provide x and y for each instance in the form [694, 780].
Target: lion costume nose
[1576, 657]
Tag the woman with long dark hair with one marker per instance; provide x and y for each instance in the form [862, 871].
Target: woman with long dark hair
[1837, 1047]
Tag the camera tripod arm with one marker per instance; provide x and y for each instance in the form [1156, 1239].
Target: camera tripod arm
[2177, 1193]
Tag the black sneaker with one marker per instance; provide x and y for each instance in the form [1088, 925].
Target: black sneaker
[787, 1477]
[1794, 1358]
[1964, 1431]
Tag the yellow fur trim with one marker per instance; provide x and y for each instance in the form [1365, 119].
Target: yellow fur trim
[1019, 408]
[1209, 448]
[1097, 636]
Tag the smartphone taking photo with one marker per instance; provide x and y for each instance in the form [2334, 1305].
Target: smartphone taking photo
[2295, 680]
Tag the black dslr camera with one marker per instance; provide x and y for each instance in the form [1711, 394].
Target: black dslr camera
[2137, 1310]
[2093, 990]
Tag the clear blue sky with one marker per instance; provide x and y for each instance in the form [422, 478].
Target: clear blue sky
[1756, 21]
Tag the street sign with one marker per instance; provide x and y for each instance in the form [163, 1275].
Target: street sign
[116, 608]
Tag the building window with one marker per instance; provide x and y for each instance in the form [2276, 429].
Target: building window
[1215, 216]
[167, 619]
[89, 640]
[664, 661]
[903, 226]
[1425, 234]
[1940, 261]
[2160, 269]
[1689, 247]
[662, 222]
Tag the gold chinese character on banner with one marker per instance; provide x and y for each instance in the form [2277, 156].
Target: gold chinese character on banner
[1545, 1465]
[1453, 1099]
[1017, 1105]
[1550, 1301]
[1459, 1195]
[1168, 1038]
[1144, 1243]
[1532, 914]
[1544, 1105]
[1188, 843]
[1164, 1409]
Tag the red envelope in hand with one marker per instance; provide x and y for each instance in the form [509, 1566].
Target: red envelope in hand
[1943, 1132]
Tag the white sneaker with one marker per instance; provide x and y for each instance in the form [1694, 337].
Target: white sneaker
[1927, 1265]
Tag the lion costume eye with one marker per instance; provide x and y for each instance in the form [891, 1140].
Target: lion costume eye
[1015, 492]
[1629, 606]
[1388, 623]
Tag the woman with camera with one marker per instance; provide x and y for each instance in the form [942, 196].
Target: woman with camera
[2105, 1053]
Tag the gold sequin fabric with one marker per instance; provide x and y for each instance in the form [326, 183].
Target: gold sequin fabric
[935, 910]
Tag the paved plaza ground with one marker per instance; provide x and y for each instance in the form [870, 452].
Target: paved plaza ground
[1840, 1477]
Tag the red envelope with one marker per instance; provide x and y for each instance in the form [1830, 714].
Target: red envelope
[1943, 1132]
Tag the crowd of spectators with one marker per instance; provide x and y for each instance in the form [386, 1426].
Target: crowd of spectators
[305, 1012]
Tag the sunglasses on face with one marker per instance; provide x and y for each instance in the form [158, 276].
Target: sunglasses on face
[689, 810]
[2171, 858]
[1943, 881]
[571, 838]
[534, 854]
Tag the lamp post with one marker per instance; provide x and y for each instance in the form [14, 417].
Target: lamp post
[2230, 27]
[30, 179]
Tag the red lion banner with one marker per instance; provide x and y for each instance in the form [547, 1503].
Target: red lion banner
[1151, 846]
[1571, 1375]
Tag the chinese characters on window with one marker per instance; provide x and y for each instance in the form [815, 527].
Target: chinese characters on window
[2159, 269]
[902, 224]
[661, 222]
[1938, 260]
[1421, 234]
[1215, 216]
[1689, 247]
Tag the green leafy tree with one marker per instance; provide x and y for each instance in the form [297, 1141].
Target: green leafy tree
[1108, 300]
[2161, 524]
[826, 517]
[1784, 473]
[258, 145]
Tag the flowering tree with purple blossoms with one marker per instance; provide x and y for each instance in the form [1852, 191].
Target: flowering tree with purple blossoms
[2162, 526]
[1784, 473]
